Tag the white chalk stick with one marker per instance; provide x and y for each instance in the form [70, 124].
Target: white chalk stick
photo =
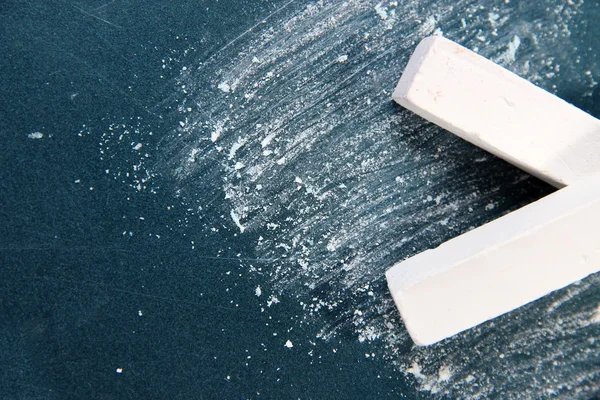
[500, 266]
[500, 112]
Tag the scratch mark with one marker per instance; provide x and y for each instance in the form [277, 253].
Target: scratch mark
[263, 21]
[97, 17]
[102, 6]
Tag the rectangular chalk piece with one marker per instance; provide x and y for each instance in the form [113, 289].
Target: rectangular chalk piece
[501, 265]
[500, 112]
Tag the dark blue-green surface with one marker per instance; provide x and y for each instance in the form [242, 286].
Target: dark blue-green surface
[220, 186]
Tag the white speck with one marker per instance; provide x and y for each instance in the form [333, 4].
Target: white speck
[236, 146]
[272, 226]
[429, 24]
[298, 180]
[490, 206]
[415, 370]
[238, 166]
[493, 19]
[289, 344]
[119, 370]
[445, 373]
[77, 181]
[181, 124]
[265, 142]
[258, 291]
[193, 154]
[140, 313]
[272, 300]
[236, 220]
[255, 60]
[596, 317]
[509, 55]
[137, 146]
[381, 11]
[224, 86]
[214, 136]
[342, 59]
[369, 334]
[35, 135]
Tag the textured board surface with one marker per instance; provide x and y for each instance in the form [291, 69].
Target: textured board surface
[137, 137]
[500, 112]
[501, 265]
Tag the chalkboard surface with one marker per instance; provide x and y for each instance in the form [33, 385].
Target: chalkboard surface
[198, 200]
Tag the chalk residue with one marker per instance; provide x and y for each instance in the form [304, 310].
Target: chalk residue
[381, 11]
[596, 316]
[236, 220]
[35, 135]
[510, 54]
[224, 86]
[429, 25]
[333, 179]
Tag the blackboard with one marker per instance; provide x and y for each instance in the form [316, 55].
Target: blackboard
[198, 199]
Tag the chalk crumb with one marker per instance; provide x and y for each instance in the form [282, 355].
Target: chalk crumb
[381, 11]
[272, 300]
[35, 135]
[224, 87]
[596, 317]
[415, 370]
[445, 373]
[510, 54]
[236, 220]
